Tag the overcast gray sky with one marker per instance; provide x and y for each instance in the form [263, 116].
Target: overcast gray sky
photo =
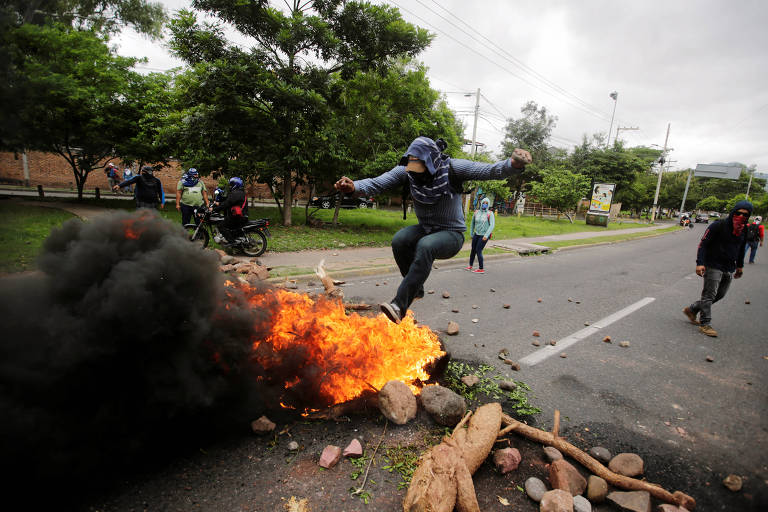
[700, 66]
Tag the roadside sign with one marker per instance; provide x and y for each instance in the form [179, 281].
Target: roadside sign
[728, 172]
[602, 197]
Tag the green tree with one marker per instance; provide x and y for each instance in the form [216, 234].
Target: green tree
[731, 203]
[98, 15]
[561, 189]
[615, 165]
[258, 112]
[530, 132]
[711, 204]
[70, 98]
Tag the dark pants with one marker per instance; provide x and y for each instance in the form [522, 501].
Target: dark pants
[231, 226]
[753, 246]
[188, 213]
[478, 244]
[142, 204]
[414, 252]
[716, 284]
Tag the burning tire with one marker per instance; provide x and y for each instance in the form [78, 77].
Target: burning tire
[257, 244]
[198, 235]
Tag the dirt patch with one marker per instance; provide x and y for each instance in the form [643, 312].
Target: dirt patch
[261, 474]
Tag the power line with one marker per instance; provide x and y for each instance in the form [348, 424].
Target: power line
[566, 95]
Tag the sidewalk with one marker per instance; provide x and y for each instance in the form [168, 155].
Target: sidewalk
[350, 262]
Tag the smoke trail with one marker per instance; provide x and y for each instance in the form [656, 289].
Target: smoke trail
[123, 341]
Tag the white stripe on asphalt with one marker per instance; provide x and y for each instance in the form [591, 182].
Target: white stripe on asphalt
[548, 351]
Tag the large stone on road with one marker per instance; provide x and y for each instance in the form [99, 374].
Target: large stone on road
[446, 407]
[397, 403]
[562, 475]
[634, 501]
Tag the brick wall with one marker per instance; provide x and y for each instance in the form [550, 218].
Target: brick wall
[53, 171]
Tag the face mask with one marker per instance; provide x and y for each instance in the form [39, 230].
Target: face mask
[483, 206]
[420, 178]
[738, 224]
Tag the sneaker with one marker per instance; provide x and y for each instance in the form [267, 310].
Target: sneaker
[691, 315]
[468, 268]
[391, 311]
[479, 271]
[708, 330]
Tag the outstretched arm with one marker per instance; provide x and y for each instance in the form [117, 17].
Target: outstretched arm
[397, 177]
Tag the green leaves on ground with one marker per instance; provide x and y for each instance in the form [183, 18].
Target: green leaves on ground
[488, 388]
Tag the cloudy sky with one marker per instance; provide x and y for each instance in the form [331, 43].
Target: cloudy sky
[699, 66]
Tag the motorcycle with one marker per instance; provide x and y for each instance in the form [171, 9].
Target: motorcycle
[251, 238]
[686, 222]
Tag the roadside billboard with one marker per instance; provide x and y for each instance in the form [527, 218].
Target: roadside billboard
[602, 197]
[726, 171]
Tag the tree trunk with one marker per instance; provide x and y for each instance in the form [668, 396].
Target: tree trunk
[336, 209]
[287, 199]
[306, 207]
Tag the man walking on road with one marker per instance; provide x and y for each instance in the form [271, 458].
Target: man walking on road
[755, 234]
[720, 257]
[435, 181]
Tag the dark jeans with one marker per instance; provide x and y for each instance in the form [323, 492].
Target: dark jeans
[716, 284]
[142, 204]
[478, 244]
[414, 252]
[753, 246]
[188, 213]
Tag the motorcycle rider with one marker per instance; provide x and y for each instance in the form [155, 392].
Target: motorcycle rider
[235, 208]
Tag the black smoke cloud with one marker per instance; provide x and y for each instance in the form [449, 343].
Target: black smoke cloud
[125, 343]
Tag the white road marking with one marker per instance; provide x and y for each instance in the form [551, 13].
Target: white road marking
[548, 351]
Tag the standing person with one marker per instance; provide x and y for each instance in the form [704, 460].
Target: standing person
[481, 227]
[112, 178]
[435, 182]
[149, 190]
[720, 257]
[190, 194]
[235, 208]
[755, 234]
[128, 174]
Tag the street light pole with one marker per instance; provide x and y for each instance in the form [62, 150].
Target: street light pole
[661, 171]
[615, 96]
[685, 194]
[749, 185]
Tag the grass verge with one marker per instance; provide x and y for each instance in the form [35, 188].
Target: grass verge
[608, 239]
[22, 233]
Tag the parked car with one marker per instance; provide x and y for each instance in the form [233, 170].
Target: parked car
[702, 217]
[328, 202]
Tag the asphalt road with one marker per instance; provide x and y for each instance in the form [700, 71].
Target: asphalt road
[658, 394]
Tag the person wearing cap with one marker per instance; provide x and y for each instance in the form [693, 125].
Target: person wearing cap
[435, 181]
[190, 194]
[149, 189]
[755, 235]
[720, 258]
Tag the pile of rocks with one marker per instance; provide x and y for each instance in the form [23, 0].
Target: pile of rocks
[569, 486]
[245, 271]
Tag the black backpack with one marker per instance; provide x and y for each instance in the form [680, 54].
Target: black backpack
[753, 232]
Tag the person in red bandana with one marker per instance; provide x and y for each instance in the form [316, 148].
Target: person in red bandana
[720, 257]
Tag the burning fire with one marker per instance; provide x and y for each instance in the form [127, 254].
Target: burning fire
[346, 354]
[132, 228]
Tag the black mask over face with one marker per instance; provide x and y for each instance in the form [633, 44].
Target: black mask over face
[421, 178]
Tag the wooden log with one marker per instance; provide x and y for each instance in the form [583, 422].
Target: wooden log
[593, 465]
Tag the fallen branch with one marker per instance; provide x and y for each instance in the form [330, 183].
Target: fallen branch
[330, 288]
[357, 307]
[593, 465]
[365, 478]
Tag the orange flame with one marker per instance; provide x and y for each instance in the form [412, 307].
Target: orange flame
[353, 353]
[131, 230]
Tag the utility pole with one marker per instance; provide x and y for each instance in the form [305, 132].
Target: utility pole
[474, 128]
[625, 128]
[685, 194]
[661, 171]
[468, 197]
[749, 185]
[615, 96]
